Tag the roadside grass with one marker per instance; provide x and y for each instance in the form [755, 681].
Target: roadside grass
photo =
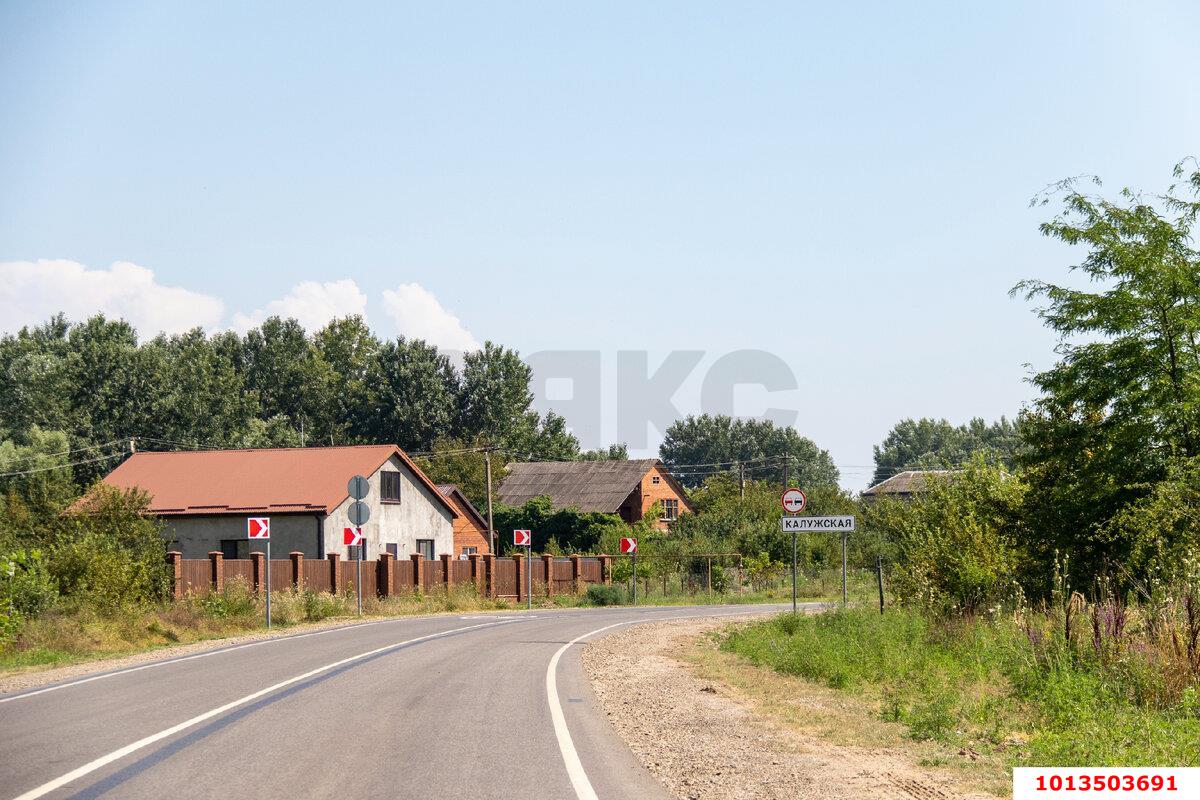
[835, 717]
[986, 686]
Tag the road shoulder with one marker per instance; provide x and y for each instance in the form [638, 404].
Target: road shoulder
[707, 725]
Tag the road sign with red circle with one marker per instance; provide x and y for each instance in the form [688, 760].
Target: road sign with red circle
[522, 538]
[794, 501]
[628, 545]
[352, 536]
[258, 527]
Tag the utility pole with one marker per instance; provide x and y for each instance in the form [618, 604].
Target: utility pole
[785, 472]
[487, 466]
[132, 445]
[742, 480]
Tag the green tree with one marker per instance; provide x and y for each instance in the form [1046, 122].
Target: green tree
[695, 447]
[614, 452]
[413, 396]
[352, 352]
[291, 377]
[959, 545]
[936, 444]
[36, 484]
[1123, 401]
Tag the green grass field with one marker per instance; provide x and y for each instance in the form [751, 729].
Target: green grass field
[991, 685]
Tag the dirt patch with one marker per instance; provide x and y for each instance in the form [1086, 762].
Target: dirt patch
[706, 739]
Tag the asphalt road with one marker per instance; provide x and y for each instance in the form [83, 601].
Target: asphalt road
[471, 706]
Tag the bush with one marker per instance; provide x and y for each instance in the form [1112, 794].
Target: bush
[28, 587]
[600, 594]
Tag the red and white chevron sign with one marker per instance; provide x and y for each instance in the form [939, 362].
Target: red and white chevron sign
[352, 536]
[628, 545]
[258, 527]
[522, 538]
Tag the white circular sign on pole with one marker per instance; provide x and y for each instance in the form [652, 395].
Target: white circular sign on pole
[794, 501]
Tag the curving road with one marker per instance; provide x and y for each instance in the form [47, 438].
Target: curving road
[471, 706]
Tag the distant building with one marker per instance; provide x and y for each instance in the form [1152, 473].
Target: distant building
[904, 485]
[626, 488]
[470, 528]
[205, 497]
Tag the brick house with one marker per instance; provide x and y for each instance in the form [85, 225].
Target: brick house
[626, 488]
[470, 528]
[205, 497]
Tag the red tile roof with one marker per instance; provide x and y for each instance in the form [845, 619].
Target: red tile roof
[283, 480]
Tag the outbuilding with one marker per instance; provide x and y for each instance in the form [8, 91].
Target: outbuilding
[205, 497]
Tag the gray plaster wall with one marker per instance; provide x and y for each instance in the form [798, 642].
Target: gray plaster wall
[418, 515]
[195, 536]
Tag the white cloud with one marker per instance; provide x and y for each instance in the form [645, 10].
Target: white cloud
[312, 304]
[32, 291]
[419, 315]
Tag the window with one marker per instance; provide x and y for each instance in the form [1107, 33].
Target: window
[425, 548]
[654, 479]
[467, 551]
[393, 548]
[352, 552]
[235, 548]
[670, 509]
[389, 487]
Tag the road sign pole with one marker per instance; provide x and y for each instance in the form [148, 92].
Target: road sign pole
[635, 577]
[793, 572]
[529, 574]
[358, 583]
[879, 575]
[844, 538]
[268, 584]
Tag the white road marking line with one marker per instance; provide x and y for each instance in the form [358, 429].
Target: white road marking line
[579, 779]
[180, 659]
[104, 760]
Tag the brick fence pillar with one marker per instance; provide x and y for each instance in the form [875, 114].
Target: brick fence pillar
[418, 572]
[257, 570]
[297, 569]
[520, 563]
[335, 572]
[548, 560]
[386, 575]
[605, 568]
[489, 574]
[217, 573]
[476, 575]
[447, 571]
[175, 560]
[576, 574]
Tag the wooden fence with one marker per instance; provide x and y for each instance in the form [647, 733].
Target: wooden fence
[491, 576]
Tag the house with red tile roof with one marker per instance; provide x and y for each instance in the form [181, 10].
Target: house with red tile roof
[205, 497]
[470, 528]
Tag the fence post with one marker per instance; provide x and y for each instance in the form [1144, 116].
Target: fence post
[605, 568]
[418, 572]
[576, 574]
[384, 575]
[476, 576]
[256, 571]
[447, 571]
[335, 572]
[218, 570]
[175, 559]
[520, 563]
[297, 558]
[489, 576]
[548, 560]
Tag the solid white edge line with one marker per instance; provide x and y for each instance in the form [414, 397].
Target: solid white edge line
[180, 659]
[104, 760]
[566, 746]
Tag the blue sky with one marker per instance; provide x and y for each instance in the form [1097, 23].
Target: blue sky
[844, 185]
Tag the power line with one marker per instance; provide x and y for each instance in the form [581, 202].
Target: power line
[35, 456]
[60, 466]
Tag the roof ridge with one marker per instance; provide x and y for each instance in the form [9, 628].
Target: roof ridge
[266, 449]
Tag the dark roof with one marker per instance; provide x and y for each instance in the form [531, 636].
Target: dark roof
[910, 482]
[452, 490]
[586, 485]
[282, 480]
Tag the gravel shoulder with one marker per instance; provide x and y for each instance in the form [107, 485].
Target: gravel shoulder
[710, 727]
